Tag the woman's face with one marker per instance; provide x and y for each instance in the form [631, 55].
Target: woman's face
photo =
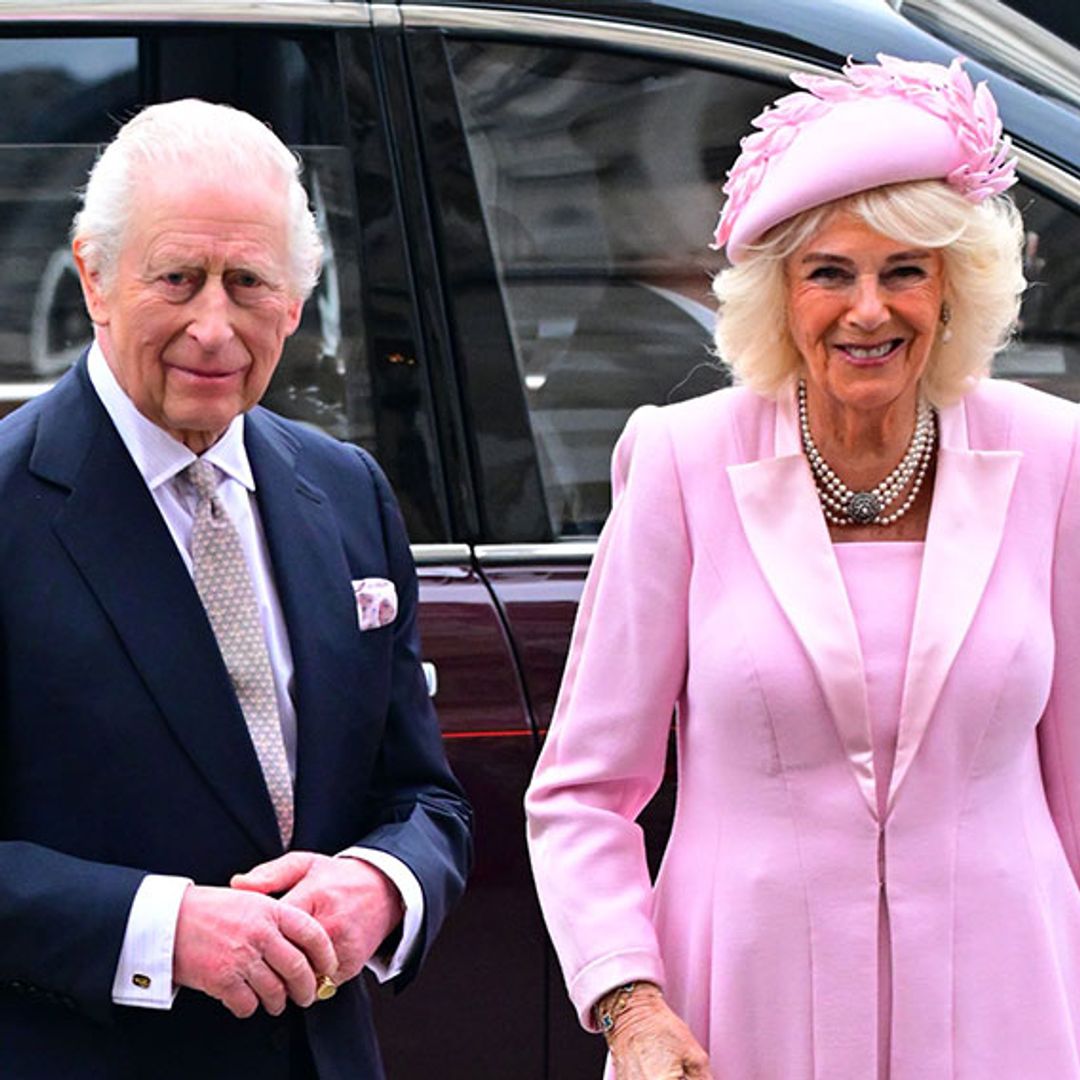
[863, 311]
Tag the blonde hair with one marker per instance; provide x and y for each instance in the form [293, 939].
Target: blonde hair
[981, 247]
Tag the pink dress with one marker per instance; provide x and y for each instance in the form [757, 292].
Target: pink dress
[716, 589]
[882, 583]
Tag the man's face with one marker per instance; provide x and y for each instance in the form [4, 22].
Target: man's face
[195, 317]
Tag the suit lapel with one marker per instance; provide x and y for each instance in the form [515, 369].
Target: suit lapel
[312, 578]
[113, 531]
[972, 490]
[784, 526]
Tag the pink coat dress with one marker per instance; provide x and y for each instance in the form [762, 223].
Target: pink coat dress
[716, 589]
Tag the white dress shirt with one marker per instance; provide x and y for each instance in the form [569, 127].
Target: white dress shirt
[144, 972]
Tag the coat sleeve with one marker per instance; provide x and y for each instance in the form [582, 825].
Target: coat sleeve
[62, 923]
[605, 753]
[420, 813]
[62, 918]
[1059, 729]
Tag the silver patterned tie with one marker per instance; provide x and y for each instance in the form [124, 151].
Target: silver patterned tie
[223, 581]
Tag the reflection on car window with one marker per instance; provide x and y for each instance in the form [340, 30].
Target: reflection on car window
[65, 96]
[60, 97]
[1046, 353]
[58, 90]
[323, 378]
[600, 175]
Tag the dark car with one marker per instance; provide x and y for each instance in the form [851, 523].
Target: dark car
[516, 200]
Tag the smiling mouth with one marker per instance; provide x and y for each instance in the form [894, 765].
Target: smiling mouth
[868, 354]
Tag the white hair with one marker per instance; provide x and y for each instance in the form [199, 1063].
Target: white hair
[216, 140]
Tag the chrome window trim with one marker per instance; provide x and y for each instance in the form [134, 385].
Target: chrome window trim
[315, 13]
[1011, 35]
[568, 551]
[673, 43]
[23, 391]
[441, 554]
[386, 15]
[1048, 176]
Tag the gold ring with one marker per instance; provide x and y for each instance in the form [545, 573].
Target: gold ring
[325, 988]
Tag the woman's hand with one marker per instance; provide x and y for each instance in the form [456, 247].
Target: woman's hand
[649, 1042]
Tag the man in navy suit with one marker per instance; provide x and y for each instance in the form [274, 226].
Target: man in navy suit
[186, 891]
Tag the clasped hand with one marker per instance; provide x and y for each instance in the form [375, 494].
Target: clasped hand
[269, 937]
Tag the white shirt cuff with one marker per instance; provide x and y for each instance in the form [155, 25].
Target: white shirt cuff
[144, 974]
[412, 898]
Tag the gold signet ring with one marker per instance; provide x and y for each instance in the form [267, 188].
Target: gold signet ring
[325, 988]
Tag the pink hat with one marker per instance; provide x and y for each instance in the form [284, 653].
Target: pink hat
[884, 123]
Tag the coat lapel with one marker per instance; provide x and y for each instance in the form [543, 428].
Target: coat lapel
[786, 531]
[313, 582]
[784, 526]
[972, 490]
[113, 532]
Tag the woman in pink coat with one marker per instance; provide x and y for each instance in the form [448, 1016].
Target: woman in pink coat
[855, 577]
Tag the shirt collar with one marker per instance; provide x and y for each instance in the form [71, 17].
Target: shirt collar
[157, 455]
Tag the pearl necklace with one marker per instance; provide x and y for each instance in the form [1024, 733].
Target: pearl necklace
[840, 504]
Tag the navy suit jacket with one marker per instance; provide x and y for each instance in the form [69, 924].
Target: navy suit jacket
[123, 749]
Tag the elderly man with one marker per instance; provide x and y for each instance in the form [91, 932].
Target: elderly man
[222, 786]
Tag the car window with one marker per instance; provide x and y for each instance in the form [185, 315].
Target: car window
[1046, 352]
[58, 100]
[600, 176]
[66, 96]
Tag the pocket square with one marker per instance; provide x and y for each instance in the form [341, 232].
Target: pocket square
[376, 602]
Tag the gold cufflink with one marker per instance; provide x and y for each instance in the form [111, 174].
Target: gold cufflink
[141, 981]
